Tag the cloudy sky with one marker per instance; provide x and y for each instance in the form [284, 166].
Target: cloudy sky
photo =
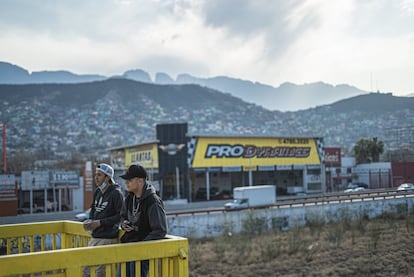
[365, 43]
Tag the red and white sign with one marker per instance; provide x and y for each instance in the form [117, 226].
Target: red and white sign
[333, 157]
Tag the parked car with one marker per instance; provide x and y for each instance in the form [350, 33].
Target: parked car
[83, 215]
[202, 193]
[405, 187]
[223, 195]
[25, 209]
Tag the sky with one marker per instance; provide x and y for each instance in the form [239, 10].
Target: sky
[368, 44]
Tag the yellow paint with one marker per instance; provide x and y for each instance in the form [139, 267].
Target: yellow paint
[252, 152]
[171, 253]
[145, 155]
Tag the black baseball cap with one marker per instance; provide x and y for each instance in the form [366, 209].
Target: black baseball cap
[135, 171]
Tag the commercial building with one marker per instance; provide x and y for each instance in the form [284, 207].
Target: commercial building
[190, 167]
[199, 167]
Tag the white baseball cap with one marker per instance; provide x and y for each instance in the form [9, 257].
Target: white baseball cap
[107, 170]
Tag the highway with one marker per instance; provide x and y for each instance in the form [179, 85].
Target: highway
[218, 205]
[70, 215]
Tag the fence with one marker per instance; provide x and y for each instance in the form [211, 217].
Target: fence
[59, 248]
[288, 212]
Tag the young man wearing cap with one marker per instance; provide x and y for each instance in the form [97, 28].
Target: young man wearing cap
[143, 216]
[104, 217]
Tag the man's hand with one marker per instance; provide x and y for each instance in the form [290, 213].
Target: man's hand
[126, 227]
[95, 224]
[90, 225]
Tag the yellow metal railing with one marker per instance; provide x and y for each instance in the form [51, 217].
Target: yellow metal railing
[59, 248]
[33, 237]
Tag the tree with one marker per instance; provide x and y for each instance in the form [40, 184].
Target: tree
[361, 151]
[376, 148]
[368, 150]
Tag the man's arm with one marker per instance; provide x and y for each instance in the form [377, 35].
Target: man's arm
[157, 221]
[117, 206]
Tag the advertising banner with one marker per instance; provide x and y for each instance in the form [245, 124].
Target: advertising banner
[333, 157]
[172, 157]
[250, 152]
[145, 155]
[64, 178]
[172, 150]
[35, 180]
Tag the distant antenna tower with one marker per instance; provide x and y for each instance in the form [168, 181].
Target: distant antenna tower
[371, 82]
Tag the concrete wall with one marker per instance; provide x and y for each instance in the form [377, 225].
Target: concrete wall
[218, 223]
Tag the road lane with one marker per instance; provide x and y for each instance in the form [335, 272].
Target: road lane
[70, 215]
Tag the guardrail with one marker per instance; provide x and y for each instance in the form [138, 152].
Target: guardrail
[59, 248]
[315, 199]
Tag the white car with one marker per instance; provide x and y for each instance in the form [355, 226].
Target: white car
[406, 187]
[353, 185]
[355, 189]
[237, 204]
[83, 215]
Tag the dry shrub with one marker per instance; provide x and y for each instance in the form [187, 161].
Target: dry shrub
[346, 248]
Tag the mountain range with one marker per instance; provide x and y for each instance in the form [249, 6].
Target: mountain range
[286, 97]
[89, 118]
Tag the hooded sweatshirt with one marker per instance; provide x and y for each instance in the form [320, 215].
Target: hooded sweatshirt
[106, 207]
[147, 216]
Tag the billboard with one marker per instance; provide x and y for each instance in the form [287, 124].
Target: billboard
[253, 152]
[60, 178]
[35, 180]
[333, 157]
[172, 156]
[172, 147]
[145, 155]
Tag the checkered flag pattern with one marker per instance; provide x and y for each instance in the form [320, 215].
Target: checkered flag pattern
[321, 149]
[191, 146]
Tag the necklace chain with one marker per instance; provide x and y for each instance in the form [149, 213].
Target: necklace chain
[134, 209]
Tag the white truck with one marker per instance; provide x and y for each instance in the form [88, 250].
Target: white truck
[252, 197]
